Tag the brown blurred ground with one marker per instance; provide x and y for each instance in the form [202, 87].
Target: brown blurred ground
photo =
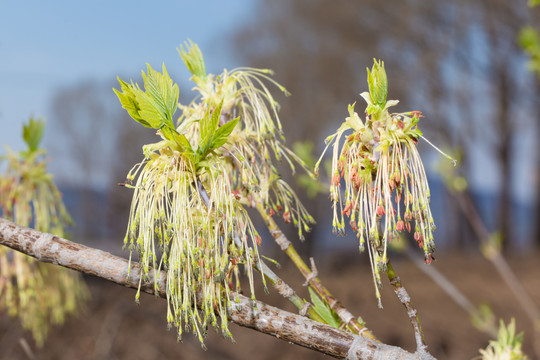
[114, 327]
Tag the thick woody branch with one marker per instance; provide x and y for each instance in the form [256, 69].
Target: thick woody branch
[259, 316]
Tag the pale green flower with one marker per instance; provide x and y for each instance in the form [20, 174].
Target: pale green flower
[257, 139]
[185, 216]
[38, 293]
[386, 189]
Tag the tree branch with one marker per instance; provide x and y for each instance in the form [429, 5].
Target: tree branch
[261, 317]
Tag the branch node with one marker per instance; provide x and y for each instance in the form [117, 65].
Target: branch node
[284, 290]
[281, 240]
[313, 274]
[356, 346]
[41, 244]
[305, 309]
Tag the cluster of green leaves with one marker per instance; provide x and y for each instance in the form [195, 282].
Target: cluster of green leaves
[154, 107]
[39, 294]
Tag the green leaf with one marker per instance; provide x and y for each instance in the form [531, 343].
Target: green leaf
[193, 58]
[378, 83]
[155, 106]
[162, 93]
[210, 123]
[33, 133]
[323, 310]
[150, 111]
[222, 134]
[212, 136]
[183, 142]
[128, 100]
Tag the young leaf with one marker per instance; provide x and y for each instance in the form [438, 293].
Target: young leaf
[210, 123]
[32, 133]
[222, 134]
[213, 137]
[129, 102]
[183, 142]
[155, 106]
[378, 83]
[162, 93]
[193, 58]
[323, 310]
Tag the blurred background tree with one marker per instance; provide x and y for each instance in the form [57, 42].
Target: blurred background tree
[456, 61]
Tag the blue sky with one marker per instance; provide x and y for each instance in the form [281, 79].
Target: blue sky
[46, 45]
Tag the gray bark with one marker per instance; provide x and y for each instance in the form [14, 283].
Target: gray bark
[258, 316]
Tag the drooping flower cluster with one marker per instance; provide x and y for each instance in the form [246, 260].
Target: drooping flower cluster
[187, 213]
[257, 139]
[38, 293]
[386, 189]
[189, 222]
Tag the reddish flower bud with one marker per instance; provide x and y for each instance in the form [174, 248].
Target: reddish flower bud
[380, 210]
[287, 217]
[429, 259]
[399, 225]
[271, 212]
[419, 239]
[408, 226]
[347, 210]
[258, 240]
[417, 114]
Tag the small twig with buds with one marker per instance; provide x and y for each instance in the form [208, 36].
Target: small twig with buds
[311, 277]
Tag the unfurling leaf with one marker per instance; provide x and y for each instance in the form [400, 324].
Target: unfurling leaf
[193, 58]
[210, 123]
[32, 133]
[323, 310]
[378, 83]
[155, 106]
[222, 134]
[212, 136]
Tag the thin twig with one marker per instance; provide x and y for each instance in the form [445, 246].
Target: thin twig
[313, 281]
[405, 299]
[453, 292]
[261, 317]
[493, 253]
[288, 293]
